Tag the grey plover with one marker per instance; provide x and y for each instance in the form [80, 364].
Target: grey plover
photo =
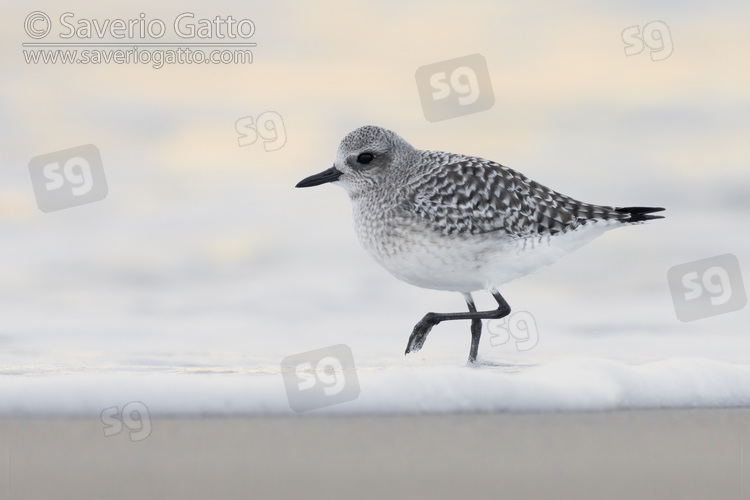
[453, 222]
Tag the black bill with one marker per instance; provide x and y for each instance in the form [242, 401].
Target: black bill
[330, 175]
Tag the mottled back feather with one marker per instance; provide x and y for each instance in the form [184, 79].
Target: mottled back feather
[464, 194]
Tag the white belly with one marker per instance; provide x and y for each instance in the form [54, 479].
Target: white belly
[466, 264]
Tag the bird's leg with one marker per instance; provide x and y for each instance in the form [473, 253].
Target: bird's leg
[419, 334]
[476, 329]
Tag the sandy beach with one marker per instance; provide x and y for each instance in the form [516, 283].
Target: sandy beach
[686, 454]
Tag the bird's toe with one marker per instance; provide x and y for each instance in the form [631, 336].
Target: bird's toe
[419, 334]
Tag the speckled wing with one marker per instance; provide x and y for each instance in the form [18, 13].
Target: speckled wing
[468, 195]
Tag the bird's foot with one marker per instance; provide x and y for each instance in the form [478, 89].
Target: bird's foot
[419, 334]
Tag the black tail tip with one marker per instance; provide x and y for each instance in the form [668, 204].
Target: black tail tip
[639, 214]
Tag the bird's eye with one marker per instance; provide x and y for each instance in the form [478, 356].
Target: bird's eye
[365, 158]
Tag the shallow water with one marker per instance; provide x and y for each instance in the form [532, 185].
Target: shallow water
[190, 305]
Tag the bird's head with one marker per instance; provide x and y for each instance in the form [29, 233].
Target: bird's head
[366, 156]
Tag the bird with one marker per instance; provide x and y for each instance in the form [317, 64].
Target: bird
[458, 223]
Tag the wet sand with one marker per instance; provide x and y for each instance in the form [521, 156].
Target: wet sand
[686, 454]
